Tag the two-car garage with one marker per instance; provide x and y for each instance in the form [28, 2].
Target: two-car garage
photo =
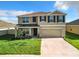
[52, 32]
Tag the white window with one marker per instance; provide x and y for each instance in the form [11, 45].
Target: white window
[25, 19]
[33, 19]
[60, 19]
[51, 19]
[42, 18]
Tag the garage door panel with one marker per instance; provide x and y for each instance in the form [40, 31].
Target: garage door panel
[50, 32]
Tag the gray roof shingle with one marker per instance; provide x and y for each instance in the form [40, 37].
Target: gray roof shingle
[75, 22]
[43, 13]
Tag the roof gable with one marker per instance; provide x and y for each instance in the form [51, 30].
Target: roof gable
[57, 13]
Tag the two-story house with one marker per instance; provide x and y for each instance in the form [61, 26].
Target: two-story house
[42, 24]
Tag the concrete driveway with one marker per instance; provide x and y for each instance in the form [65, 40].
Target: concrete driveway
[57, 47]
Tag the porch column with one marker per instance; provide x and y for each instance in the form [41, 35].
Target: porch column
[38, 32]
[30, 31]
[38, 20]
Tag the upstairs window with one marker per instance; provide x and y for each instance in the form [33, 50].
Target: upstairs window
[60, 18]
[51, 19]
[33, 19]
[25, 19]
[42, 18]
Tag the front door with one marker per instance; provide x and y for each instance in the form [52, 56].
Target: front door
[35, 31]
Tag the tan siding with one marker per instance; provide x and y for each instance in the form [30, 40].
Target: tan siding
[38, 20]
[51, 23]
[20, 20]
[50, 31]
[59, 27]
[35, 22]
[30, 20]
[72, 29]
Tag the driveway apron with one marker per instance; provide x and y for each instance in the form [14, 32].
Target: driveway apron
[57, 47]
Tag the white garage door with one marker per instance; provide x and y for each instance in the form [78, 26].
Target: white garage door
[51, 32]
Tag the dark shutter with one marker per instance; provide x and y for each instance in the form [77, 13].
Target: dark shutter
[40, 18]
[54, 18]
[44, 18]
[48, 18]
[57, 18]
[63, 18]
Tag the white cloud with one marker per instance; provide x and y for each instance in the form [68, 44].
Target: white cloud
[61, 5]
[66, 5]
[9, 19]
[10, 15]
[13, 12]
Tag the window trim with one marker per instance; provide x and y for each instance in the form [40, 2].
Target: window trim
[33, 19]
[25, 20]
[59, 19]
[51, 19]
[41, 20]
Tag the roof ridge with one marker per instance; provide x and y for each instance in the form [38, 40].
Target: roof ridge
[43, 13]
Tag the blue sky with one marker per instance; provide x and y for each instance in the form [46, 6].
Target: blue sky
[28, 6]
[9, 10]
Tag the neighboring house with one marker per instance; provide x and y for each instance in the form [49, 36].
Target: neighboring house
[73, 27]
[6, 28]
[6, 25]
[42, 24]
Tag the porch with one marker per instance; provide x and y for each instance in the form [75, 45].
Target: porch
[27, 31]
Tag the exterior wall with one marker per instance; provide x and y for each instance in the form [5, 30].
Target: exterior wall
[54, 26]
[5, 32]
[11, 31]
[72, 29]
[51, 23]
[33, 22]
[56, 31]
[20, 20]
[50, 33]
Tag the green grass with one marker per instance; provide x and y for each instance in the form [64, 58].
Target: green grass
[72, 39]
[26, 46]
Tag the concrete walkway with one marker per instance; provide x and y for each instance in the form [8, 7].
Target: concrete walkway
[57, 47]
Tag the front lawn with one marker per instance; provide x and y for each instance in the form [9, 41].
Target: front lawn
[22, 46]
[72, 39]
